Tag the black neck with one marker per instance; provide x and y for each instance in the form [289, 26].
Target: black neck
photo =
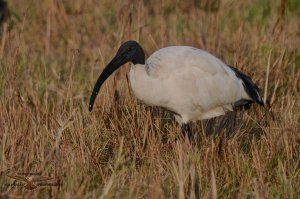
[139, 57]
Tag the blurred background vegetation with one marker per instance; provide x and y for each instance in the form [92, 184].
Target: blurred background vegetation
[51, 53]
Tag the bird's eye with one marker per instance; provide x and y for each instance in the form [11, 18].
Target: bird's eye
[129, 49]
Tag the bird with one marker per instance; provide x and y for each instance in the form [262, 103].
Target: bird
[30, 181]
[4, 12]
[189, 82]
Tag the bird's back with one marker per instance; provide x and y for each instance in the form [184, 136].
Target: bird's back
[164, 61]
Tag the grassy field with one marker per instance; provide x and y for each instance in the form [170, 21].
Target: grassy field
[51, 53]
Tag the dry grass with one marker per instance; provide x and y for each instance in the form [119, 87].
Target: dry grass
[51, 54]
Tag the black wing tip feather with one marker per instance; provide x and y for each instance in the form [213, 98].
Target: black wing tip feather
[260, 101]
[251, 89]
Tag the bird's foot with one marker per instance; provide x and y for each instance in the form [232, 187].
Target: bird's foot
[187, 132]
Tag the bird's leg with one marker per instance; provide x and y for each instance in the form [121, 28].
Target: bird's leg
[186, 130]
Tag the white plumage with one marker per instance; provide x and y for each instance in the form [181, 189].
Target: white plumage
[190, 82]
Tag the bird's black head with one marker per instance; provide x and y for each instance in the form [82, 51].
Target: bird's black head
[129, 51]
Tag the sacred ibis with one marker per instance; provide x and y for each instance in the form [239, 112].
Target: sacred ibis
[190, 82]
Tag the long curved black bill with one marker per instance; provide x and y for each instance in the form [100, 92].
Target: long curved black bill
[115, 63]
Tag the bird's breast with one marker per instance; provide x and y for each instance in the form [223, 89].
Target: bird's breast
[145, 87]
